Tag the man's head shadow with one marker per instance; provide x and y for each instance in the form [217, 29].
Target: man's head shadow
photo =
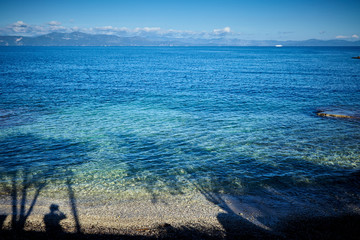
[52, 220]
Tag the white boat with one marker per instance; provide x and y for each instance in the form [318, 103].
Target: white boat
[279, 45]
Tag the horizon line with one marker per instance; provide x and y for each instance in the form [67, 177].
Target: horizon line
[182, 38]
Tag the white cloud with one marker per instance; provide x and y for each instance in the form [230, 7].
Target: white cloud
[24, 29]
[54, 23]
[57, 28]
[20, 24]
[222, 31]
[181, 33]
[109, 30]
[341, 37]
[21, 28]
[105, 28]
[74, 29]
[148, 29]
[349, 38]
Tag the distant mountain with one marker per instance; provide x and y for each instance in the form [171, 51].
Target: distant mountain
[84, 39]
[316, 42]
[74, 39]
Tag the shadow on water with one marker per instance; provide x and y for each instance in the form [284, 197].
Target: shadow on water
[235, 225]
[73, 205]
[144, 154]
[27, 165]
[283, 207]
[263, 213]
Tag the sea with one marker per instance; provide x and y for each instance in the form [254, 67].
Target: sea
[130, 123]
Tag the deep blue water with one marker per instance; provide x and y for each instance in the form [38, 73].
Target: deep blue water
[160, 120]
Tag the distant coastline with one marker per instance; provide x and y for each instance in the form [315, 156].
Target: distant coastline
[84, 39]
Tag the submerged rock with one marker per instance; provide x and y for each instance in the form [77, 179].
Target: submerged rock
[338, 113]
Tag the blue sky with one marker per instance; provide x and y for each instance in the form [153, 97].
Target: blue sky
[257, 19]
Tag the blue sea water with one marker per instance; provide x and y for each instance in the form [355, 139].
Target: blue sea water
[129, 122]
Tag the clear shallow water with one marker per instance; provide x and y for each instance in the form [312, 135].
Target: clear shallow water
[137, 121]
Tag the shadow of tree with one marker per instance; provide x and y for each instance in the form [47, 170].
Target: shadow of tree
[286, 210]
[143, 154]
[335, 189]
[28, 164]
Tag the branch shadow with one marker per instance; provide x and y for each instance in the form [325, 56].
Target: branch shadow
[263, 213]
[28, 164]
[329, 217]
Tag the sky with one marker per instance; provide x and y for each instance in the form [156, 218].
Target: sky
[249, 20]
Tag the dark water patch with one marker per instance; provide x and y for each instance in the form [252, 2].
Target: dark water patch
[15, 117]
[31, 153]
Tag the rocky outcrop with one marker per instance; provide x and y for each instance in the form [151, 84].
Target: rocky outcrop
[338, 113]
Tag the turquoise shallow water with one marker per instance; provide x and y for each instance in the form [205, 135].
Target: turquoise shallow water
[138, 121]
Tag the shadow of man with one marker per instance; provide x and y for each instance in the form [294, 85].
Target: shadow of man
[52, 221]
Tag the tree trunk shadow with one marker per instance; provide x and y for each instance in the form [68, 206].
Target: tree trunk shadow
[19, 217]
[72, 200]
[28, 164]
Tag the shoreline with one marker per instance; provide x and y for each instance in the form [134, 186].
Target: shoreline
[128, 218]
[136, 214]
[224, 226]
[213, 216]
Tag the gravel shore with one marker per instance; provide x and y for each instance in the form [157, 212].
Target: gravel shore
[198, 216]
